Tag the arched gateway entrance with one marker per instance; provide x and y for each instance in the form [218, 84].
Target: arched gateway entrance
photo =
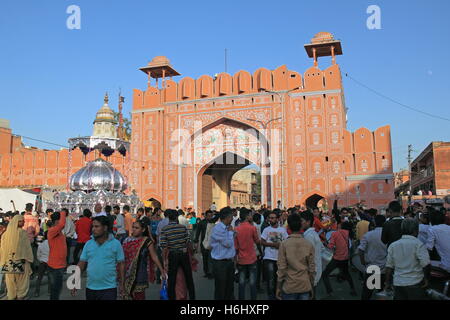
[219, 151]
[215, 180]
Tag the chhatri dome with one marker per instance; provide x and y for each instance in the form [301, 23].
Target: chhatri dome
[104, 123]
[322, 37]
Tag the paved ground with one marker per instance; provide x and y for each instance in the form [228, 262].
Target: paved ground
[205, 288]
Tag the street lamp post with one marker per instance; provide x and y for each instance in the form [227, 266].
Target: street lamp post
[283, 135]
[266, 163]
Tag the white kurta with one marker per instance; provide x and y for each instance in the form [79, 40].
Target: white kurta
[312, 236]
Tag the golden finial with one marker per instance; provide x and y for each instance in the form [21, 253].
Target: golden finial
[106, 98]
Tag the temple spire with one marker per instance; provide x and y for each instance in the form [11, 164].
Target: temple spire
[120, 133]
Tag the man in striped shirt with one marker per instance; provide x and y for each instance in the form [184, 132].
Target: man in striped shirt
[174, 241]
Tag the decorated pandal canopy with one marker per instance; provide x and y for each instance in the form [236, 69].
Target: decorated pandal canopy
[98, 181]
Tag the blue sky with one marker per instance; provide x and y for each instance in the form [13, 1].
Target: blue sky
[52, 79]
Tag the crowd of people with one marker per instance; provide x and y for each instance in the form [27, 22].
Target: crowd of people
[284, 253]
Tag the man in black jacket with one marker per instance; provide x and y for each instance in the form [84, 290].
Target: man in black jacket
[392, 228]
[200, 235]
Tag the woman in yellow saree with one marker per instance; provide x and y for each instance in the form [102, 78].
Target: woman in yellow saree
[16, 257]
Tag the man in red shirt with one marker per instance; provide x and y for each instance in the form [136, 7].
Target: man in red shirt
[339, 242]
[57, 254]
[244, 242]
[83, 229]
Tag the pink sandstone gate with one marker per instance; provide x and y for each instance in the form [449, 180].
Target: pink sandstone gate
[302, 118]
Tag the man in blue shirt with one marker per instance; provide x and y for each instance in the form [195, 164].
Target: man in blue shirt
[222, 254]
[103, 254]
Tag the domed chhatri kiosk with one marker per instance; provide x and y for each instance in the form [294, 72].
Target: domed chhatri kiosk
[98, 181]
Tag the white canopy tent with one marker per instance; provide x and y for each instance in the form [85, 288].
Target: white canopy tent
[20, 198]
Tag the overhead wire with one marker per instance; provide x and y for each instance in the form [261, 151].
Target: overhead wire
[395, 101]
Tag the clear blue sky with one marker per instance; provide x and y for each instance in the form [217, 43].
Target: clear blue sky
[52, 79]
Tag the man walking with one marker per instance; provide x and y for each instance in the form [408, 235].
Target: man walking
[69, 232]
[31, 226]
[409, 260]
[392, 228]
[83, 228]
[372, 251]
[128, 219]
[296, 267]
[57, 258]
[103, 255]
[200, 236]
[244, 242]
[439, 238]
[271, 238]
[174, 242]
[121, 232]
[310, 234]
[222, 254]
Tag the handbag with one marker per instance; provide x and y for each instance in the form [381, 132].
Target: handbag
[15, 267]
[163, 292]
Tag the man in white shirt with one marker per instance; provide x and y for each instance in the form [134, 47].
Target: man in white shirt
[372, 251]
[439, 238]
[312, 236]
[98, 211]
[424, 226]
[234, 222]
[121, 233]
[69, 232]
[182, 218]
[408, 258]
[271, 238]
[213, 207]
[42, 256]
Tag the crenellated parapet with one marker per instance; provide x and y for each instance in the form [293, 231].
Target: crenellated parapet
[371, 150]
[241, 83]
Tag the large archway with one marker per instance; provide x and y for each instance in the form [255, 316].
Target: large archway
[215, 182]
[221, 149]
[315, 200]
